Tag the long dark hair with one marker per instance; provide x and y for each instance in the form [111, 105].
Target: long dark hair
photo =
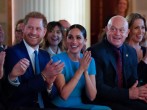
[50, 27]
[80, 27]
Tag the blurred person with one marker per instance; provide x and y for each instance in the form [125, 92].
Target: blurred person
[19, 31]
[2, 38]
[2, 97]
[77, 74]
[122, 7]
[65, 24]
[116, 66]
[52, 42]
[2, 59]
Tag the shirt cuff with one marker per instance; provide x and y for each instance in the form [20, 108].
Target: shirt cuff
[14, 82]
[50, 89]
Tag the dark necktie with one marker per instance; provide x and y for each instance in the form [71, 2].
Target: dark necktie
[37, 71]
[119, 67]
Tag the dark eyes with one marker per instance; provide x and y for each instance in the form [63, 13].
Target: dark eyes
[58, 32]
[115, 30]
[71, 37]
[31, 28]
[140, 27]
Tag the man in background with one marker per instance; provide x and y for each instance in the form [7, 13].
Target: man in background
[65, 24]
[19, 31]
[2, 38]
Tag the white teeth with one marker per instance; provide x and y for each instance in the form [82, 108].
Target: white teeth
[74, 46]
[54, 39]
[117, 38]
[33, 36]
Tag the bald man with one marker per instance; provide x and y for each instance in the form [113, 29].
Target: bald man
[117, 80]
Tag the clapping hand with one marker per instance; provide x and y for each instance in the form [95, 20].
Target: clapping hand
[52, 70]
[85, 60]
[138, 92]
[19, 68]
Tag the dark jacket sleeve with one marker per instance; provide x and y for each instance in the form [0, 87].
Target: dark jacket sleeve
[30, 84]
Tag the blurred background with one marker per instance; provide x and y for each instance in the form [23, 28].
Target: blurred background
[92, 14]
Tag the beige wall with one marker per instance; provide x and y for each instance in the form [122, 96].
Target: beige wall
[75, 11]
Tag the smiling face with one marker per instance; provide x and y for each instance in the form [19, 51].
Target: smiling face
[54, 36]
[34, 31]
[19, 32]
[122, 6]
[75, 41]
[117, 31]
[137, 31]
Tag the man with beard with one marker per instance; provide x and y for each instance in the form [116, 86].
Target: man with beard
[29, 71]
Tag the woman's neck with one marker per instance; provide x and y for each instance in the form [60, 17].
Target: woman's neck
[135, 45]
[73, 57]
[54, 49]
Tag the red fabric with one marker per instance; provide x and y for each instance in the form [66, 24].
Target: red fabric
[119, 68]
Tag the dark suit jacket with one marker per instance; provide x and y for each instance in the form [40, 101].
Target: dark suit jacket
[106, 77]
[30, 84]
[142, 69]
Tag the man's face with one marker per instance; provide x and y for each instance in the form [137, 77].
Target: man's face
[117, 31]
[19, 32]
[34, 31]
[1, 34]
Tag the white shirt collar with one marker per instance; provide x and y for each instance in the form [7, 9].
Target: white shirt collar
[30, 51]
[50, 51]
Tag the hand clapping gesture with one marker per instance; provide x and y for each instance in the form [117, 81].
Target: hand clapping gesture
[138, 92]
[19, 68]
[52, 70]
[85, 61]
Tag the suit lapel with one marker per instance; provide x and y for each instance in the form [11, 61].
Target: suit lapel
[112, 60]
[111, 57]
[125, 56]
[24, 54]
[42, 60]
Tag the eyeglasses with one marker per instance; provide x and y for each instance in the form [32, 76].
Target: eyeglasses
[18, 30]
[65, 29]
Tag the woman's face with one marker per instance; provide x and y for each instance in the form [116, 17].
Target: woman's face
[54, 36]
[137, 30]
[75, 41]
[122, 6]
